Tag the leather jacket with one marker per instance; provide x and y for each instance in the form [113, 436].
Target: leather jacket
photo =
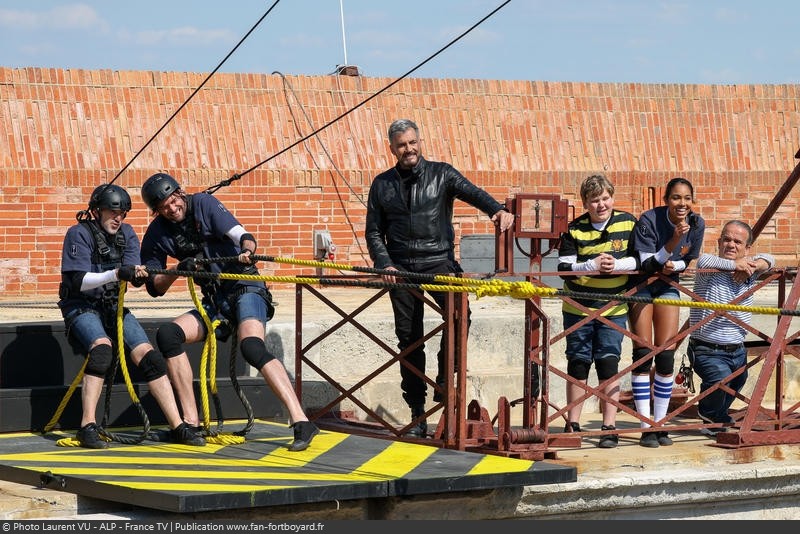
[411, 220]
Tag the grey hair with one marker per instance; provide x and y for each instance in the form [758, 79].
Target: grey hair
[743, 225]
[400, 126]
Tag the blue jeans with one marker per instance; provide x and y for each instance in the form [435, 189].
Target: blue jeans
[712, 366]
[87, 327]
[659, 289]
[250, 305]
[595, 339]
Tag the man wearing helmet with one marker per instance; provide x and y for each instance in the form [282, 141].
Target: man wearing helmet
[98, 252]
[199, 227]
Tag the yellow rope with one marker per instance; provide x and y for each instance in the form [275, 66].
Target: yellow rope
[518, 290]
[209, 346]
[262, 278]
[345, 267]
[764, 310]
[209, 353]
[225, 439]
[526, 290]
[121, 342]
[72, 387]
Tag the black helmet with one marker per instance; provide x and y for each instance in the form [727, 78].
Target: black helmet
[158, 187]
[110, 196]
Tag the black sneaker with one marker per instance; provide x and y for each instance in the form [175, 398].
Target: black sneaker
[572, 427]
[89, 436]
[710, 432]
[420, 430]
[608, 441]
[663, 439]
[649, 439]
[187, 435]
[304, 432]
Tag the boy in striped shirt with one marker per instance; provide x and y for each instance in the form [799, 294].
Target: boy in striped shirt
[596, 241]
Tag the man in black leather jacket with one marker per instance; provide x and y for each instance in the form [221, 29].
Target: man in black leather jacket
[409, 228]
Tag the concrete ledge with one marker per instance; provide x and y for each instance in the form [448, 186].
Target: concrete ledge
[763, 490]
[767, 490]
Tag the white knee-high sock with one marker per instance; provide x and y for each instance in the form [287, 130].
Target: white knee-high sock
[641, 395]
[662, 391]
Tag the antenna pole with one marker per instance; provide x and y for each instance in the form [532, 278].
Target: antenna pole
[344, 42]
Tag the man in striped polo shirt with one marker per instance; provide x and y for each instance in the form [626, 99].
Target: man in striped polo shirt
[716, 348]
[596, 243]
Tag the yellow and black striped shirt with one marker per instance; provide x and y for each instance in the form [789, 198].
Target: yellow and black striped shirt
[585, 242]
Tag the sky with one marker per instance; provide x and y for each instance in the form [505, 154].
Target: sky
[644, 41]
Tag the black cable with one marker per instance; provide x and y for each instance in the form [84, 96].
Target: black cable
[423, 277]
[369, 98]
[195, 91]
[350, 224]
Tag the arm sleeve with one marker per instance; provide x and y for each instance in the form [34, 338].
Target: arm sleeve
[662, 256]
[95, 280]
[678, 265]
[767, 258]
[375, 230]
[472, 194]
[570, 264]
[236, 233]
[710, 261]
[628, 263]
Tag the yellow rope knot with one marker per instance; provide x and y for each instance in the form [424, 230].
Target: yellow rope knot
[494, 288]
[522, 290]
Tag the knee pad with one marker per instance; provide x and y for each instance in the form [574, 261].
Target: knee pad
[99, 361]
[170, 338]
[606, 367]
[665, 362]
[644, 367]
[254, 352]
[578, 369]
[153, 366]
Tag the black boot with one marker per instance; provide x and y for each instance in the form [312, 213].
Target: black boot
[419, 430]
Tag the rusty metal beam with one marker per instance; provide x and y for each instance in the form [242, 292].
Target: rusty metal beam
[777, 200]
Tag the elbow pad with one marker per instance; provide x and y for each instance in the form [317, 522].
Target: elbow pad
[564, 266]
[651, 265]
[75, 281]
[248, 237]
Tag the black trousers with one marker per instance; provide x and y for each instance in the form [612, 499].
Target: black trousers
[409, 314]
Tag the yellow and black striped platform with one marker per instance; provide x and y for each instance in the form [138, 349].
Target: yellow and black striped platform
[261, 471]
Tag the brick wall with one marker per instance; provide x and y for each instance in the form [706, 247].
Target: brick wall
[63, 132]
